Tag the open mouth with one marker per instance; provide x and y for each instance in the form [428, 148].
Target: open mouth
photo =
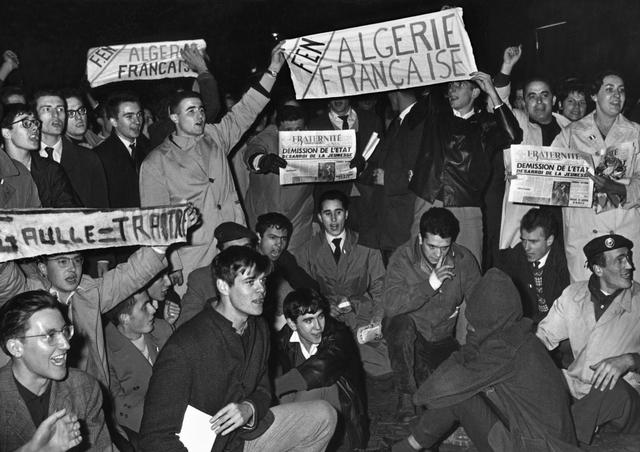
[59, 360]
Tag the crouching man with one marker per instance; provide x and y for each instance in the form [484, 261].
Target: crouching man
[218, 365]
[319, 360]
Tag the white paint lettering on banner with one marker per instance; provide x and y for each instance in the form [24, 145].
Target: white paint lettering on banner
[29, 233]
[416, 51]
[145, 61]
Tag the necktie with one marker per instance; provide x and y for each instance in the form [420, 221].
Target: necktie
[345, 121]
[537, 278]
[336, 250]
[132, 146]
[49, 151]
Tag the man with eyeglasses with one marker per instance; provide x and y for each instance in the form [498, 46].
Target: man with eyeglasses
[20, 134]
[42, 403]
[77, 130]
[86, 298]
[83, 168]
[600, 317]
[125, 149]
[427, 281]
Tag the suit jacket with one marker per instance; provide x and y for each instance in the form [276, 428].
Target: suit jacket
[17, 189]
[555, 277]
[79, 393]
[130, 371]
[205, 364]
[54, 187]
[85, 174]
[121, 169]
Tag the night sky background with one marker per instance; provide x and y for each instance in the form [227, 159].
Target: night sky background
[52, 37]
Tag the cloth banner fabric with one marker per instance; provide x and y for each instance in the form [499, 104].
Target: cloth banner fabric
[29, 233]
[404, 53]
[145, 61]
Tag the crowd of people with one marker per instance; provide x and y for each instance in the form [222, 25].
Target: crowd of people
[288, 300]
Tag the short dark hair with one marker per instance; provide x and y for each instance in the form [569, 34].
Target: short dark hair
[273, 220]
[439, 221]
[289, 113]
[8, 91]
[235, 259]
[116, 99]
[15, 314]
[68, 93]
[179, 96]
[598, 259]
[46, 92]
[536, 78]
[572, 85]
[333, 195]
[540, 218]
[598, 80]
[304, 301]
[11, 111]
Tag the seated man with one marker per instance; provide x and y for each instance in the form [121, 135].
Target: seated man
[134, 339]
[350, 275]
[600, 318]
[501, 386]
[428, 278]
[219, 365]
[36, 382]
[537, 265]
[318, 359]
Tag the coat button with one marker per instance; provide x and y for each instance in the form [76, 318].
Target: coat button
[595, 231]
[219, 207]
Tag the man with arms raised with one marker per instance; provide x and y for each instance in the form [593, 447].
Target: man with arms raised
[218, 365]
[192, 164]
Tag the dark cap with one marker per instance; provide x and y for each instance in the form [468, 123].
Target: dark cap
[606, 243]
[228, 231]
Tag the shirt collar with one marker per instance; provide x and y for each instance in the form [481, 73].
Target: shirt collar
[126, 142]
[306, 353]
[543, 260]
[57, 150]
[467, 115]
[337, 121]
[405, 112]
[331, 238]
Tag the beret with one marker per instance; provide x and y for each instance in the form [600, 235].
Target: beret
[606, 243]
[228, 231]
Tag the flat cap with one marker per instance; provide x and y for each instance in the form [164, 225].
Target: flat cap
[606, 243]
[228, 231]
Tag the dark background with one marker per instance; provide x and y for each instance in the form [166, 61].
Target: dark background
[52, 37]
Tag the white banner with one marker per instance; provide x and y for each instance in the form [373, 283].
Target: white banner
[317, 156]
[549, 176]
[29, 233]
[416, 51]
[146, 61]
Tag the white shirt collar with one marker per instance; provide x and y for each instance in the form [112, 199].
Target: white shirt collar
[307, 354]
[126, 142]
[57, 150]
[467, 115]
[405, 112]
[337, 121]
[331, 238]
[543, 260]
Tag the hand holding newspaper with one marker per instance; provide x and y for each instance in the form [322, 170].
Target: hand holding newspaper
[196, 433]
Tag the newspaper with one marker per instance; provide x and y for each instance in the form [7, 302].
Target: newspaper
[549, 176]
[616, 163]
[317, 156]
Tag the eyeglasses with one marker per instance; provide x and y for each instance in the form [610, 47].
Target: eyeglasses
[82, 111]
[52, 338]
[65, 262]
[27, 123]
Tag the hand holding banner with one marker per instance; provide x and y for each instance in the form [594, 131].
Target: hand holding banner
[30, 233]
[145, 61]
[404, 53]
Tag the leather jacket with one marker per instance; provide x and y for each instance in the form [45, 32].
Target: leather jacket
[336, 362]
[455, 164]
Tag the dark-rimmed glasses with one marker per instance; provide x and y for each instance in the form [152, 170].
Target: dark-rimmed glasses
[27, 123]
